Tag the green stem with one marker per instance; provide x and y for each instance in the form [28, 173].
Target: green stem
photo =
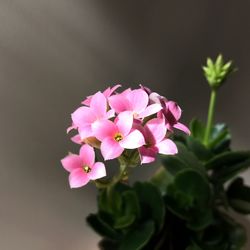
[210, 116]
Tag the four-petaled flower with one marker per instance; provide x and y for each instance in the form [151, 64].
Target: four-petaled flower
[83, 167]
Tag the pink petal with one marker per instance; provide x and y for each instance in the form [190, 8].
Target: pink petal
[147, 154]
[110, 113]
[110, 149]
[174, 109]
[182, 127]
[104, 129]
[78, 178]
[98, 104]
[76, 139]
[85, 131]
[150, 110]
[133, 140]
[87, 101]
[71, 162]
[119, 103]
[124, 122]
[87, 154]
[155, 130]
[138, 100]
[82, 116]
[154, 97]
[109, 91]
[71, 128]
[167, 147]
[97, 171]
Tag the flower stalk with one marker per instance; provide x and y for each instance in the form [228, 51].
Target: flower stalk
[210, 117]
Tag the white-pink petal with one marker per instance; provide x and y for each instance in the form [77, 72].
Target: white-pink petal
[167, 147]
[85, 131]
[155, 130]
[87, 154]
[182, 127]
[138, 100]
[124, 122]
[78, 178]
[82, 116]
[76, 139]
[98, 105]
[111, 149]
[133, 140]
[104, 129]
[97, 171]
[150, 110]
[119, 103]
[71, 162]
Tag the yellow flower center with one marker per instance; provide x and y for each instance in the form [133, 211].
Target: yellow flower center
[86, 169]
[118, 137]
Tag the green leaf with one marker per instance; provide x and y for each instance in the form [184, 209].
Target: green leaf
[220, 138]
[229, 164]
[239, 196]
[197, 129]
[138, 237]
[189, 197]
[102, 227]
[124, 221]
[131, 204]
[151, 202]
[227, 159]
[201, 152]
[161, 179]
[108, 244]
[185, 159]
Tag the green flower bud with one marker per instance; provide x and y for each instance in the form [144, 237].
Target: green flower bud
[216, 72]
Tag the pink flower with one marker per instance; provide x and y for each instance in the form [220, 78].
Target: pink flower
[82, 167]
[154, 133]
[107, 93]
[118, 135]
[135, 101]
[172, 113]
[85, 117]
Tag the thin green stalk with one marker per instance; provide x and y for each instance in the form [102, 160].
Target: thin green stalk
[210, 116]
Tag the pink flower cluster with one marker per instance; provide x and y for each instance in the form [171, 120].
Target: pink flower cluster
[136, 119]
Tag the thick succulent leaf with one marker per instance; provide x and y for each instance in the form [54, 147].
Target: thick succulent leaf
[131, 204]
[151, 201]
[161, 179]
[185, 159]
[101, 227]
[197, 129]
[228, 165]
[124, 221]
[226, 159]
[108, 244]
[189, 197]
[138, 237]
[220, 138]
[239, 196]
[201, 152]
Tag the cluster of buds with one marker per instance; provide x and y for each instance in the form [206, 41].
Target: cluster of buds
[138, 120]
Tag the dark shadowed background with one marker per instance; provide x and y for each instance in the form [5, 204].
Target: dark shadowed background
[54, 53]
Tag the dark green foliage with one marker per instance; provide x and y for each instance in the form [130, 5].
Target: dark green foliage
[185, 205]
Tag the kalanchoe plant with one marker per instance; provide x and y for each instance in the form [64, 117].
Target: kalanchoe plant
[186, 205]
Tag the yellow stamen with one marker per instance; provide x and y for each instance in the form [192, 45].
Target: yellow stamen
[86, 169]
[118, 137]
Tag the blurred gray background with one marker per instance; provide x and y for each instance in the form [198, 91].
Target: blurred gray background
[55, 52]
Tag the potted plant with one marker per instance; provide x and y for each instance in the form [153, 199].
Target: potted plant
[187, 203]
